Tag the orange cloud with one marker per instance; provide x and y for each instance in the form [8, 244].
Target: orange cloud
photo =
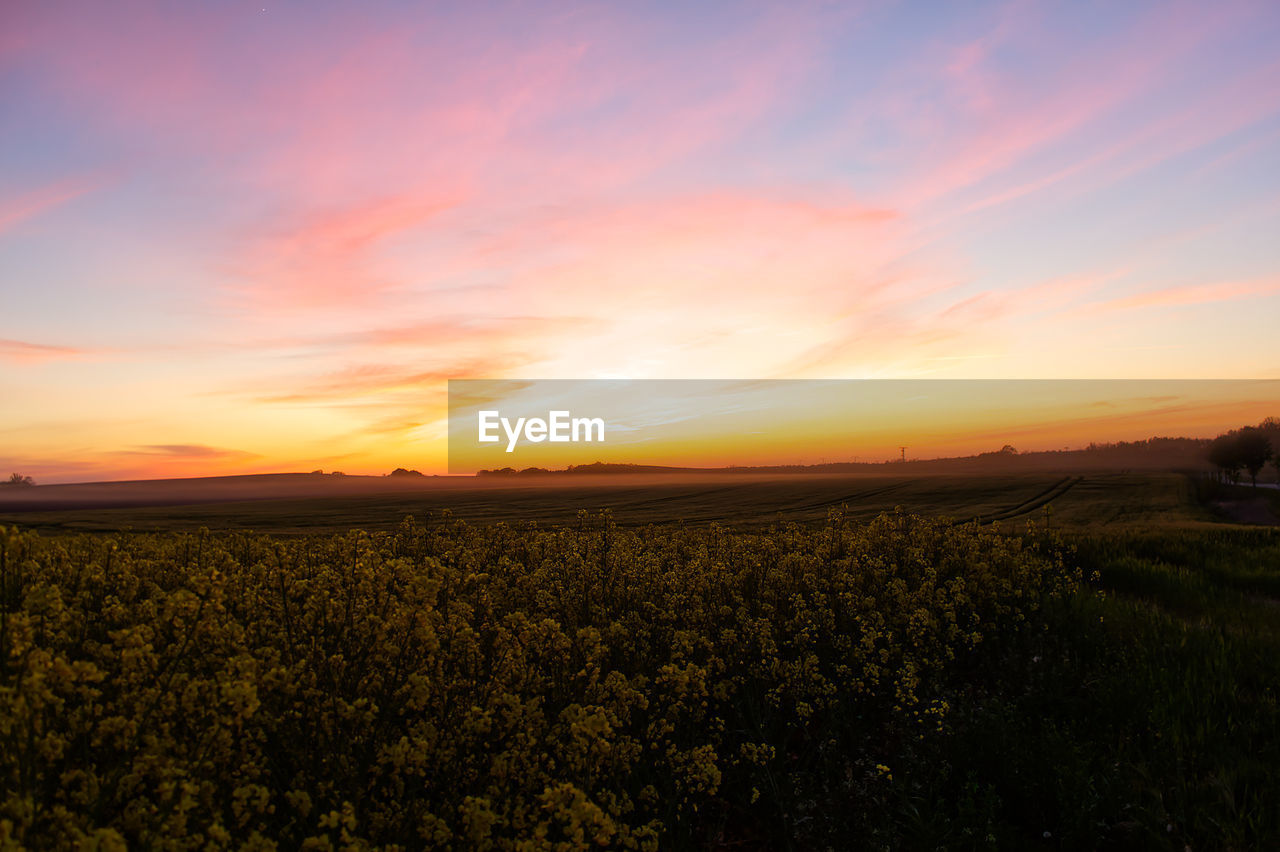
[190, 451]
[1192, 294]
[23, 352]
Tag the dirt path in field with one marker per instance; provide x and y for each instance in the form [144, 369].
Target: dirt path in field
[1053, 492]
[1256, 511]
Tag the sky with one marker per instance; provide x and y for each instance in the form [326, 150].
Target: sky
[238, 237]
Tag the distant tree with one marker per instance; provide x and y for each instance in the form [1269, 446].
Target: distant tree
[1242, 449]
[1224, 456]
[1271, 428]
[17, 479]
[1254, 449]
[400, 471]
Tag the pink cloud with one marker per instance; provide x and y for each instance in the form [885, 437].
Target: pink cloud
[335, 104]
[1015, 119]
[22, 352]
[14, 211]
[381, 385]
[1197, 123]
[322, 136]
[328, 259]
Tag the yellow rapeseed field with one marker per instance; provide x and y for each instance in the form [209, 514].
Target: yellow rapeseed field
[467, 687]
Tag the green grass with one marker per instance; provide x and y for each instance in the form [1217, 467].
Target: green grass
[1146, 717]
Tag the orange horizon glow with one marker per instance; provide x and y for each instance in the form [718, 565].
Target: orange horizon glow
[727, 424]
[708, 451]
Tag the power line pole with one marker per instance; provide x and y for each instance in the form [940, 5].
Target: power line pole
[903, 450]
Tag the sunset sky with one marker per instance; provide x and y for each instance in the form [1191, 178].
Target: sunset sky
[239, 238]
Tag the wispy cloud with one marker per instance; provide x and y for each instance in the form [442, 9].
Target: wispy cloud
[329, 259]
[190, 451]
[23, 352]
[1190, 294]
[32, 203]
[369, 201]
[382, 385]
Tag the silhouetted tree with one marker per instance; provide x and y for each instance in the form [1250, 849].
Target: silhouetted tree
[1248, 449]
[1253, 448]
[1271, 428]
[19, 479]
[1223, 455]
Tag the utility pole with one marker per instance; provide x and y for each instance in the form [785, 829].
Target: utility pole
[903, 450]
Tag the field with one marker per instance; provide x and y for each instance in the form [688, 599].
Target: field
[1023, 661]
[1076, 499]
